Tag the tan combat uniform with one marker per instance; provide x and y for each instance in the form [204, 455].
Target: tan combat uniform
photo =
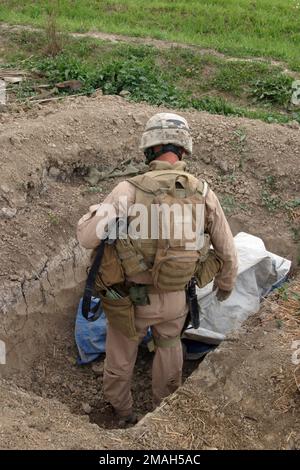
[167, 311]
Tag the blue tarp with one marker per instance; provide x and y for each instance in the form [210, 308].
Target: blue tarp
[90, 336]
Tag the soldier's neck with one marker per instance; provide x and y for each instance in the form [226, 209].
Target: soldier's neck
[168, 157]
[165, 165]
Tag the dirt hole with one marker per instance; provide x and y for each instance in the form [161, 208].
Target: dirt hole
[57, 375]
[47, 335]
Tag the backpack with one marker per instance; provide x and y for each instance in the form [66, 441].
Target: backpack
[170, 257]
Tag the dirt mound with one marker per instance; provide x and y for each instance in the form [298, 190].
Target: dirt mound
[49, 156]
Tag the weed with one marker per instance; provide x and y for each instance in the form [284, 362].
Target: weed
[292, 204]
[93, 190]
[283, 292]
[236, 77]
[271, 182]
[228, 204]
[53, 38]
[239, 144]
[275, 90]
[25, 89]
[296, 233]
[271, 201]
[144, 81]
[53, 218]
[241, 135]
[62, 67]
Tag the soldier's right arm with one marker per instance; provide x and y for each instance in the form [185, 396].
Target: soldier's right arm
[93, 225]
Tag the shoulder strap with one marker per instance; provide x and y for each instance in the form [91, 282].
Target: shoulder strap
[146, 183]
[89, 287]
[149, 184]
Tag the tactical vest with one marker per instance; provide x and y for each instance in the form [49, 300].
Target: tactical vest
[168, 260]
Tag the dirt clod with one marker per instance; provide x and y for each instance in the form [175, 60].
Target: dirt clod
[86, 408]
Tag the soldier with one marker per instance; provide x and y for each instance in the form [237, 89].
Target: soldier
[150, 291]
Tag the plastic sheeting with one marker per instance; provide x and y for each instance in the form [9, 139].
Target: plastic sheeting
[259, 272]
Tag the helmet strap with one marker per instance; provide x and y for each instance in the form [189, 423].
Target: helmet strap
[151, 154]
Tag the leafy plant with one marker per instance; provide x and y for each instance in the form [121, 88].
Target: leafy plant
[139, 74]
[228, 203]
[53, 218]
[276, 90]
[271, 201]
[93, 190]
[283, 292]
[293, 203]
[271, 182]
[63, 67]
[296, 233]
[143, 81]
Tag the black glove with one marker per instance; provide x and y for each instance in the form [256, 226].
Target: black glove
[221, 294]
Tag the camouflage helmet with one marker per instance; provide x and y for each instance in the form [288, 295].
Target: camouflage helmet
[167, 128]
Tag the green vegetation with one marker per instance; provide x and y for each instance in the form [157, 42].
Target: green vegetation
[272, 201]
[283, 291]
[177, 78]
[275, 89]
[230, 205]
[53, 218]
[92, 190]
[268, 28]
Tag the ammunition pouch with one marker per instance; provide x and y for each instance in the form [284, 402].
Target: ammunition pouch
[207, 268]
[138, 294]
[120, 315]
[131, 260]
[110, 271]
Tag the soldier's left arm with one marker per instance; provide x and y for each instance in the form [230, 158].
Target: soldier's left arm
[220, 233]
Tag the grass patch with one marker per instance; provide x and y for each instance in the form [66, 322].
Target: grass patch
[267, 28]
[176, 78]
[230, 205]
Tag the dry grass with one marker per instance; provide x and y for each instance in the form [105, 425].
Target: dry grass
[285, 309]
[54, 39]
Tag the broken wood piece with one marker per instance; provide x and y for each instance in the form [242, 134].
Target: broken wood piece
[69, 85]
[12, 79]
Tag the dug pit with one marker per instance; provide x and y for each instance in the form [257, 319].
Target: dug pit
[45, 158]
[41, 352]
